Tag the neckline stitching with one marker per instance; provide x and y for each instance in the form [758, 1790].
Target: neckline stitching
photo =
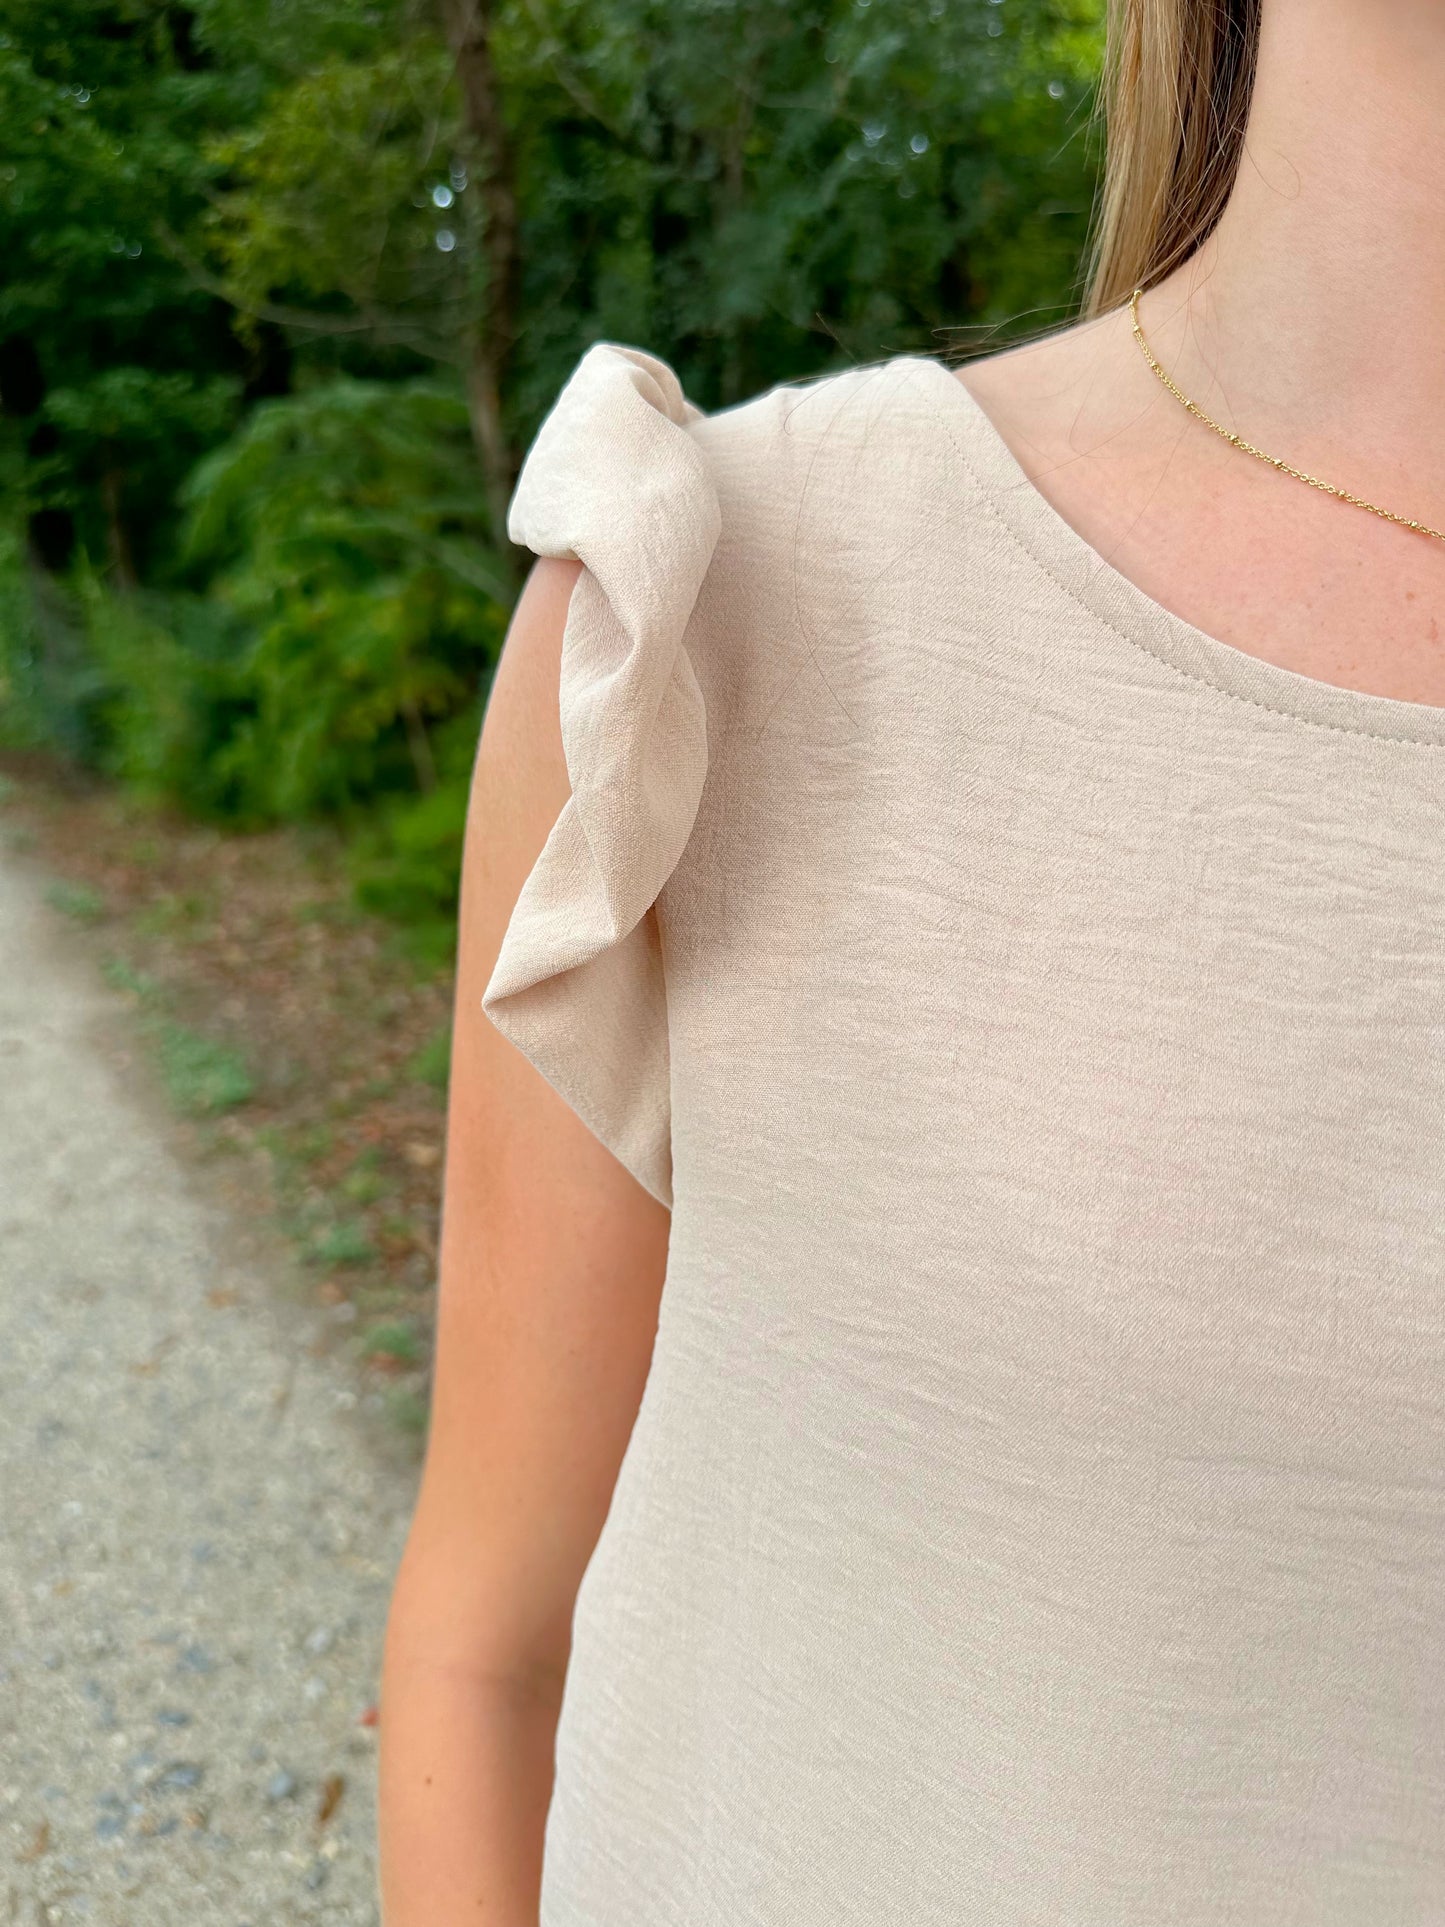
[1138, 642]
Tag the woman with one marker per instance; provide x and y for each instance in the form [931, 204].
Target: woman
[989, 954]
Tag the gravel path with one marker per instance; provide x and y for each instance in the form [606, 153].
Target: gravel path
[199, 1520]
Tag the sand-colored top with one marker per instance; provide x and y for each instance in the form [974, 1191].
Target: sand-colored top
[1033, 1011]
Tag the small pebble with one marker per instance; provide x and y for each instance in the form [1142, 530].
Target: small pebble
[281, 1786]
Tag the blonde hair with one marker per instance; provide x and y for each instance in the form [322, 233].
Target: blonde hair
[1174, 99]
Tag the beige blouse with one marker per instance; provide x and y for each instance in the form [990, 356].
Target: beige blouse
[1033, 1011]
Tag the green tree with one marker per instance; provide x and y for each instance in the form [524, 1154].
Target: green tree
[290, 285]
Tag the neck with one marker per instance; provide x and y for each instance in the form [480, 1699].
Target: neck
[1315, 312]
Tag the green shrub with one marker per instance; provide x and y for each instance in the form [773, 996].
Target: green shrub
[335, 665]
[172, 693]
[348, 537]
[52, 690]
[406, 859]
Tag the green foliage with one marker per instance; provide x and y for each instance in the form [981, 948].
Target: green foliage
[343, 528]
[332, 194]
[762, 195]
[138, 407]
[288, 290]
[407, 862]
[406, 859]
[169, 693]
[51, 685]
[115, 367]
[350, 621]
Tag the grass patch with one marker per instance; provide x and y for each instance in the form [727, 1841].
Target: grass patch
[408, 1410]
[172, 912]
[76, 900]
[393, 1341]
[203, 1077]
[121, 975]
[315, 1142]
[363, 1183]
[292, 1149]
[342, 1243]
[432, 1063]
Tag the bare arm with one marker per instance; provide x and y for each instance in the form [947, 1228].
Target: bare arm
[552, 1261]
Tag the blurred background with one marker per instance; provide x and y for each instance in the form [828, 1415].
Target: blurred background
[287, 286]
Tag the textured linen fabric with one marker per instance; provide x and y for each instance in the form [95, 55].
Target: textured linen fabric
[1033, 1011]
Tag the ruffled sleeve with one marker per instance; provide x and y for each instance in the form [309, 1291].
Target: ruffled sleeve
[615, 481]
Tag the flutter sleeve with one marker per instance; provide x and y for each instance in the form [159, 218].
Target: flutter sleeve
[614, 480]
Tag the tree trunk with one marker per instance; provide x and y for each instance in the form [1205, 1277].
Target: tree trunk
[484, 410]
[468, 25]
[122, 559]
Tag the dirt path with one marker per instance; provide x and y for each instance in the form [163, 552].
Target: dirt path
[198, 1526]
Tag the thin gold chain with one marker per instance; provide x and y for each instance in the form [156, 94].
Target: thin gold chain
[1238, 441]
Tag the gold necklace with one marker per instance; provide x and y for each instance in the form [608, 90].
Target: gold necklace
[1274, 461]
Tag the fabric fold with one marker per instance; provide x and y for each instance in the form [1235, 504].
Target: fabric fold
[615, 481]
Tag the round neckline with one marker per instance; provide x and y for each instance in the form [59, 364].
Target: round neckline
[1073, 562]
